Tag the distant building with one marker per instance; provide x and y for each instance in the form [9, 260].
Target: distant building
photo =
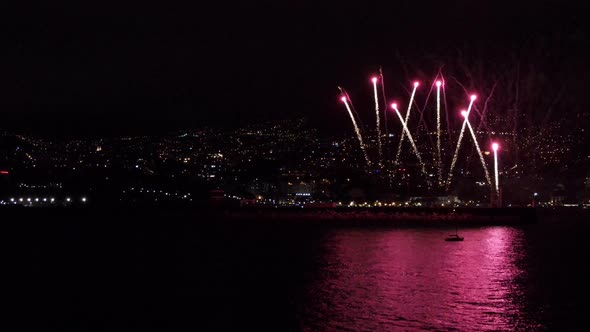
[434, 201]
[558, 195]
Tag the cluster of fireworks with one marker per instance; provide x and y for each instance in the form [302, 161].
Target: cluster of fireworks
[406, 133]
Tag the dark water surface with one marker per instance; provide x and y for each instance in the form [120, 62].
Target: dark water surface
[188, 274]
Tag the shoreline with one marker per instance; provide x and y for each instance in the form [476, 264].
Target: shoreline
[344, 216]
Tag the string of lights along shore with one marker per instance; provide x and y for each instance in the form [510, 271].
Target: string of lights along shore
[438, 158]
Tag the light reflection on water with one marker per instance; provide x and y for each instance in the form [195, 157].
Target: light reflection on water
[375, 280]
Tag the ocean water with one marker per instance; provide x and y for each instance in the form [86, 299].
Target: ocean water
[185, 273]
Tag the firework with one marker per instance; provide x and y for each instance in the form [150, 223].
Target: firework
[401, 139]
[378, 125]
[438, 156]
[356, 129]
[384, 100]
[483, 162]
[407, 131]
[454, 161]
[495, 147]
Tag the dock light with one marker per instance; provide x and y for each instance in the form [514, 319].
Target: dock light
[83, 199]
[438, 84]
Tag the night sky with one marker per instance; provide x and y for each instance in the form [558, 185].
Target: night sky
[134, 69]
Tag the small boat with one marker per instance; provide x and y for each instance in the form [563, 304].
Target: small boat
[454, 237]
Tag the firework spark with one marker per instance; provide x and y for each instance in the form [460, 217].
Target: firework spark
[401, 139]
[483, 162]
[454, 161]
[356, 129]
[495, 148]
[438, 155]
[407, 131]
[378, 125]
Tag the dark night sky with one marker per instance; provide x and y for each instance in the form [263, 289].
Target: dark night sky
[77, 70]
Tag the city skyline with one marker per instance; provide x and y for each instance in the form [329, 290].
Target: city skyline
[265, 159]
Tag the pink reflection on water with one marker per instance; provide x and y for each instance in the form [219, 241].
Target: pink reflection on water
[412, 279]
